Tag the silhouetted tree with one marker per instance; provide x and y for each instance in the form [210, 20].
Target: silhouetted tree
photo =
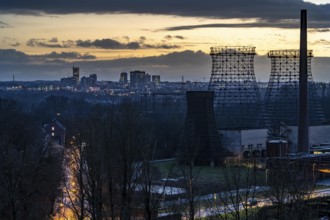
[27, 189]
[290, 185]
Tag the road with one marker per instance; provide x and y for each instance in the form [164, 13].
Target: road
[214, 211]
[63, 206]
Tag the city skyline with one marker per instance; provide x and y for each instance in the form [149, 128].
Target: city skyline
[43, 40]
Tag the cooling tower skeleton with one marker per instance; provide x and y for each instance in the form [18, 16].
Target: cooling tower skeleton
[237, 100]
[281, 98]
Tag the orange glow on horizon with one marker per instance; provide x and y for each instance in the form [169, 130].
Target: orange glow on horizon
[324, 170]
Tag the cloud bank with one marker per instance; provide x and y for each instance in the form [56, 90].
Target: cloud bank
[108, 43]
[266, 10]
[193, 65]
[317, 26]
[12, 56]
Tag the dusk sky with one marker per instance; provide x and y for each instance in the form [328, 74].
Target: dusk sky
[41, 40]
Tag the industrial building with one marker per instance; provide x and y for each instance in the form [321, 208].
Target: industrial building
[290, 111]
[201, 139]
[245, 142]
[251, 143]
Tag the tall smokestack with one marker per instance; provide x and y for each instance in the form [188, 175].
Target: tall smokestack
[303, 139]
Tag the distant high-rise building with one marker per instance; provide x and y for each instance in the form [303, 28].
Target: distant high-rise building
[155, 79]
[123, 78]
[84, 81]
[90, 81]
[137, 78]
[73, 81]
[147, 78]
[75, 73]
[69, 82]
[93, 79]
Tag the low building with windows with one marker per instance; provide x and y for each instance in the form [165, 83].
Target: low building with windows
[251, 143]
[56, 131]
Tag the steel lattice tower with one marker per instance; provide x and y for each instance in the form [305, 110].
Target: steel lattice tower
[237, 100]
[281, 98]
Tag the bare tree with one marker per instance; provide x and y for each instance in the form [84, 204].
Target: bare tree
[290, 185]
[75, 194]
[86, 168]
[187, 157]
[25, 161]
[238, 187]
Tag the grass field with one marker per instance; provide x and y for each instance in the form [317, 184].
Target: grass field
[229, 175]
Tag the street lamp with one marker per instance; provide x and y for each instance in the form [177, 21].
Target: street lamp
[215, 200]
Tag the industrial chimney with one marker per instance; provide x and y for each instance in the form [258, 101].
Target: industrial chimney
[303, 136]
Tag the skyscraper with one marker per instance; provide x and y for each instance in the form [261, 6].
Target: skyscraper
[123, 78]
[75, 74]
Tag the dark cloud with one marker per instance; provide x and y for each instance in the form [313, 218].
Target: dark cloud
[319, 30]
[269, 10]
[170, 37]
[68, 43]
[179, 37]
[17, 57]
[193, 65]
[13, 56]
[133, 45]
[318, 27]
[107, 43]
[175, 59]
[162, 46]
[85, 43]
[52, 43]
[67, 55]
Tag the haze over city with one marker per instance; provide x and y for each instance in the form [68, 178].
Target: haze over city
[42, 40]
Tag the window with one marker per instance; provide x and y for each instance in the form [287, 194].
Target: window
[53, 134]
[53, 128]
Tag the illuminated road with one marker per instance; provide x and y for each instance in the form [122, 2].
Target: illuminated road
[261, 203]
[214, 211]
[63, 207]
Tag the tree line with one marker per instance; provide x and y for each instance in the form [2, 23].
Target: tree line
[106, 170]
